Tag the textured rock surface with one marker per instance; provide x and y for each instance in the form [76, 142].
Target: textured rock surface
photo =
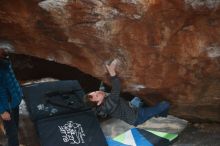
[168, 48]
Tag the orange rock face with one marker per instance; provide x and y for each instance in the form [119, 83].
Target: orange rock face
[167, 49]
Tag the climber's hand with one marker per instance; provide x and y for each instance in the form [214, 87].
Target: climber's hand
[112, 67]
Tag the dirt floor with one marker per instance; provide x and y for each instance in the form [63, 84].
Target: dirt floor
[205, 134]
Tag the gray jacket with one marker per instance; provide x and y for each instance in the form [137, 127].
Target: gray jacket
[115, 106]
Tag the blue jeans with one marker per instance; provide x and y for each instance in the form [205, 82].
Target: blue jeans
[136, 102]
[11, 128]
[145, 113]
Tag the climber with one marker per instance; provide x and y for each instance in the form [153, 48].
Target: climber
[115, 106]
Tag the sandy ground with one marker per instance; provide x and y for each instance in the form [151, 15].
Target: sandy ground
[203, 134]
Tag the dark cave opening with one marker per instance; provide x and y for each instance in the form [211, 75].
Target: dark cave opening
[28, 68]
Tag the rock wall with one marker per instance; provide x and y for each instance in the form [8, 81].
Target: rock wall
[167, 49]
